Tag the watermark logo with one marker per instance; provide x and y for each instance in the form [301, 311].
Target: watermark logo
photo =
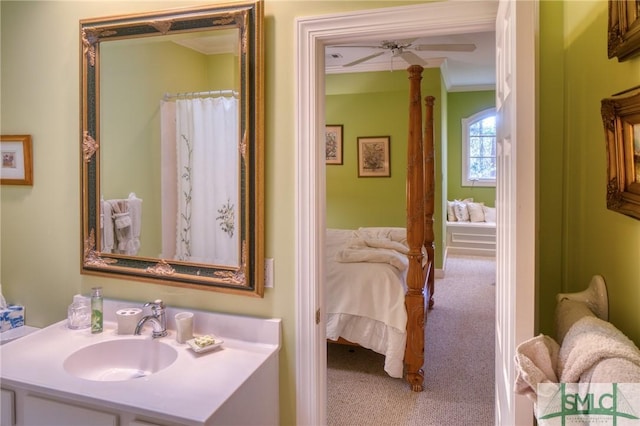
[616, 404]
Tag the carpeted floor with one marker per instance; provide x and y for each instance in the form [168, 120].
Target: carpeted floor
[459, 366]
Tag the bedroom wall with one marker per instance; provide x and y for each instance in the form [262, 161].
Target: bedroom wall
[463, 105]
[597, 240]
[374, 104]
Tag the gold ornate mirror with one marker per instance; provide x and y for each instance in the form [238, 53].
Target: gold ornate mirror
[172, 147]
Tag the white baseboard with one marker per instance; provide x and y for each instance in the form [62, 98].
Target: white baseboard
[471, 251]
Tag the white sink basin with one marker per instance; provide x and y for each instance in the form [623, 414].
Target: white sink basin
[122, 359]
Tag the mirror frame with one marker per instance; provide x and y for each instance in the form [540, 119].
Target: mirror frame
[248, 17]
[620, 115]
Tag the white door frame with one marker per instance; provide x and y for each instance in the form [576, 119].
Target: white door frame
[312, 34]
[516, 104]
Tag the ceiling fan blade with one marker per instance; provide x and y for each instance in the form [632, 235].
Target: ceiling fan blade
[411, 58]
[366, 58]
[339, 46]
[405, 42]
[446, 47]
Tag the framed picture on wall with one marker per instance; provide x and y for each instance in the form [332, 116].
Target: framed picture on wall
[624, 29]
[16, 160]
[333, 143]
[621, 119]
[374, 156]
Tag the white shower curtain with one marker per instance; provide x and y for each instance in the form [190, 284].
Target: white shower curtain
[201, 137]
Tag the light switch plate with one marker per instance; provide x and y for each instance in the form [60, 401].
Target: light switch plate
[268, 273]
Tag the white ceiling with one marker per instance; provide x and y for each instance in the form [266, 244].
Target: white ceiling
[461, 70]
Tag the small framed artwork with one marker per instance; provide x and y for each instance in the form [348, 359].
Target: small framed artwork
[621, 119]
[374, 156]
[16, 160]
[624, 29]
[333, 143]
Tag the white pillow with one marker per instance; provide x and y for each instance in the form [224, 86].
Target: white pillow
[489, 214]
[476, 212]
[461, 211]
[451, 216]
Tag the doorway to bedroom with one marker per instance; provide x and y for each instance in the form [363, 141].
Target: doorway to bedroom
[373, 104]
[313, 33]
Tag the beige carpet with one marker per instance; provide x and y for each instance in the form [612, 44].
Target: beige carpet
[459, 366]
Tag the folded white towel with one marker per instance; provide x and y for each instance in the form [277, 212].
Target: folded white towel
[106, 224]
[135, 210]
[122, 220]
[126, 218]
[591, 341]
[536, 362]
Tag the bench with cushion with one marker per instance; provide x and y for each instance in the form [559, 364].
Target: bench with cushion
[470, 228]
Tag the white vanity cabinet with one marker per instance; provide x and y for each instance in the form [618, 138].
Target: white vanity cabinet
[237, 383]
[7, 407]
[22, 407]
[38, 410]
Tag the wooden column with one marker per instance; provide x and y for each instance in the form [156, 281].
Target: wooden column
[429, 195]
[414, 300]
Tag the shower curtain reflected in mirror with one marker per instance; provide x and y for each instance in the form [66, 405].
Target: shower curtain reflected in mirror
[200, 180]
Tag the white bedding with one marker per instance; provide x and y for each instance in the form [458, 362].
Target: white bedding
[365, 300]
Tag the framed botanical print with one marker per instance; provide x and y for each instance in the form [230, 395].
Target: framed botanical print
[333, 143]
[374, 156]
[17, 161]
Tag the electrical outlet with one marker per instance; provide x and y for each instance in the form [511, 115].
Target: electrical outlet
[268, 273]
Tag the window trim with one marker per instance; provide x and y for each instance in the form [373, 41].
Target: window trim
[465, 149]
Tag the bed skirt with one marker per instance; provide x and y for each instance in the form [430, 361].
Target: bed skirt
[371, 334]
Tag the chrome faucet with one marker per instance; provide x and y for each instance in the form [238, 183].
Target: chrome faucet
[157, 319]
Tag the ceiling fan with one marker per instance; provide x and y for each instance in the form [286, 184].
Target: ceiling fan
[405, 50]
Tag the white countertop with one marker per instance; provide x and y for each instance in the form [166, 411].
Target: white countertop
[16, 333]
[189, 391]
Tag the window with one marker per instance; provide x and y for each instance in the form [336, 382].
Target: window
[479, 149]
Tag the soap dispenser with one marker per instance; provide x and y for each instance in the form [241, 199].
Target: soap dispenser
[96, 310]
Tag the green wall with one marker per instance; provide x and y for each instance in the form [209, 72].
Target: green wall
[598, 240]
[463, 105]
[577, 235]
[375, 104]
[550, 170]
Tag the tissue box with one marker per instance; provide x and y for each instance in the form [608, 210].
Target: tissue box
[12, 317]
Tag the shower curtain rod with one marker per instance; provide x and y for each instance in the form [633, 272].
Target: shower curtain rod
[212, 93]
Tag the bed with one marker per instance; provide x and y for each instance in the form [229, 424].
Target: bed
[365, 305]
[391, 320]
